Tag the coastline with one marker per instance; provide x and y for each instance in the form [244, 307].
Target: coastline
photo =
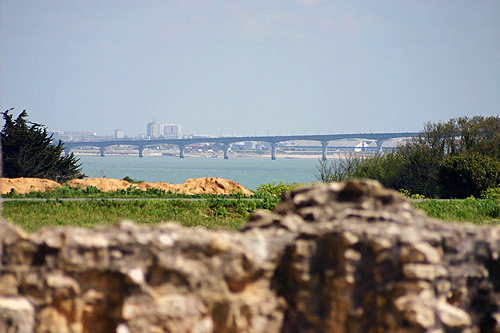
[249, 171]
[214, 154]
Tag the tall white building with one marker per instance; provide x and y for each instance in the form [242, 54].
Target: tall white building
[153, 130]
[119, 134]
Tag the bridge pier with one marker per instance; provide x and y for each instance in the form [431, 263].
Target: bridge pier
[181, 150]
[273, 150]
[184, 142]
[324, 147]
[379, 146]
[226, 149]
[141, 150]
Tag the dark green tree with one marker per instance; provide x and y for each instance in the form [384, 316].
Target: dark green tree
[465, 175]
[28, 151]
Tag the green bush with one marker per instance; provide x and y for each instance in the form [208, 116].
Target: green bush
[91, 190]
[275, 189]
[409, 195]
[131, 180]
[338, 170]
[155, 191]
[426, 164]
[468, 175]
[491, 193]
[413, 167]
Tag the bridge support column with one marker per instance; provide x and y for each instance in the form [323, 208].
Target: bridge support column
[379, 146]
[141, 150]
[181, 150]
[226, 149]
[324, 145]
[273, 150]
[102, 150]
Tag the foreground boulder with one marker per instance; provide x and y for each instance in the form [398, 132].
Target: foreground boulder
[351, 257]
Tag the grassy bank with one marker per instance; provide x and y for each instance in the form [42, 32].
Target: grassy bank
[211, 213]
[477, 211]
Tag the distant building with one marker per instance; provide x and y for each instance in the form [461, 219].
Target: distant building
[336, 145]
[250, 145]
[74, 136]
[171, 131]
[119, 134]
[153, 130]
[344, 145]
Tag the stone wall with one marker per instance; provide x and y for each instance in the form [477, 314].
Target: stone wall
[351, 257]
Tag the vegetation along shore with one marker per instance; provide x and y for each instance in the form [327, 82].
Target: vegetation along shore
[458, 160]
[214, 211]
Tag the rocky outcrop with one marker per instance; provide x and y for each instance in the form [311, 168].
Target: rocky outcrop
[351, 257]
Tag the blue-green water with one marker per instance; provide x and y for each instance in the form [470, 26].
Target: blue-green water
[249, 172]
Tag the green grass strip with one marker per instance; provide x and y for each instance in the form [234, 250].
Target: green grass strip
[33, 216]
[477, 211]
[212, 213]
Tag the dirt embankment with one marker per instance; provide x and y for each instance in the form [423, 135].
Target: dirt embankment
[206, 185]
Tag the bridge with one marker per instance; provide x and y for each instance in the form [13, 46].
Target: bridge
[380, 138]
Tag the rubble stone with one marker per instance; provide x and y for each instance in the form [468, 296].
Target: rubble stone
[351, 257]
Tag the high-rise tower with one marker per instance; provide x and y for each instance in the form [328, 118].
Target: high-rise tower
[153, 129]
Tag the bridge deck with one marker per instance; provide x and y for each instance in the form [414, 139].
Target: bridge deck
[273, 140]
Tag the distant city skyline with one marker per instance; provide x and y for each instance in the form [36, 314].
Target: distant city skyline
[250, 67]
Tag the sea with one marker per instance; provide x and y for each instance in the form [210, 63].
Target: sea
[249, 172]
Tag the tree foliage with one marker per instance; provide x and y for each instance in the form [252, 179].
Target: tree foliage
[457, 158]
[343, 168]
[28, 151]
[463, 176]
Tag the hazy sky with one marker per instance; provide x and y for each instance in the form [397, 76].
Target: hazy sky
[250, 67]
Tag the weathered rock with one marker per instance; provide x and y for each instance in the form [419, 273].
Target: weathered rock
[351, 257]
[164, 278]
[16, 315]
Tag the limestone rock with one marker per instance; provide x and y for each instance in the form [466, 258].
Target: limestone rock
[351, 257]
[17, 314]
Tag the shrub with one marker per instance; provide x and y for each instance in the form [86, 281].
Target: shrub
[491, 193]
[340, 169]
[408, 194]
[275, 189]
[468, 175]
[91, 190]
[325, 171]
[426, 164]
[131, 180]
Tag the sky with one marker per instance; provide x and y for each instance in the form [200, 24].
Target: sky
[259, 67]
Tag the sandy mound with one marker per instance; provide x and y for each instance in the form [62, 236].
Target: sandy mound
[25, 185]
[207, 185]
[103, 184]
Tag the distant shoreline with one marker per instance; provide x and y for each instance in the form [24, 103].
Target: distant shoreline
[279, 155]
